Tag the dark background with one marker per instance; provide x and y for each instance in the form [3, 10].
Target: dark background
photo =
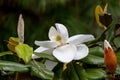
[40, 15]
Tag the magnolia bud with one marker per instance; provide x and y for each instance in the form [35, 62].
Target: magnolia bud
[110, 59]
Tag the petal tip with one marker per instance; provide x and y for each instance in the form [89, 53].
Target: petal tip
[34, 56]
[36, 42]
[106, 44]
[92, 37]
[58, 24]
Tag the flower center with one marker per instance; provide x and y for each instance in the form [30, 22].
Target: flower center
[58, 38]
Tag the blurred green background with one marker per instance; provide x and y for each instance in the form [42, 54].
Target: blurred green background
[40, 15]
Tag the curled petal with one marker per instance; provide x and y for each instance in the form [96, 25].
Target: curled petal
[77, 39]
[42, 50]
[38, 50]
[82, 51]
[47, 44]
[53, 33]
[99, 11]
[65, 53]
[63, 31]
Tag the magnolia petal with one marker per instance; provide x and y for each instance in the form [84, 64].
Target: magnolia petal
[38, 50]
[65, 53]
[42, 50]
[52, 34]
[50, 64]
[63, 31]
[77, 39]
[46, 44]
[82, 51]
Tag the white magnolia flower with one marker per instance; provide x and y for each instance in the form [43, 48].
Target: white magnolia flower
[62, 47]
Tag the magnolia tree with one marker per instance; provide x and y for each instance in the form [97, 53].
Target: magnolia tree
[79, 57]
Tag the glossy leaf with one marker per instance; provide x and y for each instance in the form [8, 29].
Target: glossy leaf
[5, 53]
[80, 71]
[92, 59]
[24, 51]
[117, 30]
[89, 73]
[72, 73]
[39, 70]
[110, 34]
[97, 51]
[13, 66]
[118, 56]
[46, 56]
[95, 74]
[117, 42]
[58, 72]
[117, 72]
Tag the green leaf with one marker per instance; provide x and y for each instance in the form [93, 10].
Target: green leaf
[118, 56]
[24, 51]
[110, 34]
[97, 51]
[118, 69]
[5, 53]
[39, 70]
[89, 73]
[117, 42]
[118, 66]
[95, 74]
[47, 56]
[58, 72]
[72, 74]
[80, 71]
[92, 59]
[13, 66]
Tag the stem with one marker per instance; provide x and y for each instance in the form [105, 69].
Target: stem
[98, 39]
[16, 73]
[37, 66]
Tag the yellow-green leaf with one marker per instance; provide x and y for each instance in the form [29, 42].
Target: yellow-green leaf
[24, 51]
